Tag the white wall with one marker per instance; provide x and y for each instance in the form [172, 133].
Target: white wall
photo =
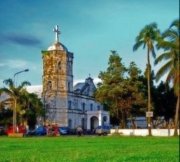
[144, 132]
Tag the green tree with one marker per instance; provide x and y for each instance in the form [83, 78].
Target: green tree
[118, 91]
[33, 109]
[170, 43]
[164, 101]
[109, 90]
[15, 95]
[137, 90]
[28, 106]
[146, 38]
[5, 116]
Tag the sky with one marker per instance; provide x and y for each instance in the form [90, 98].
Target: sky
[89, 28]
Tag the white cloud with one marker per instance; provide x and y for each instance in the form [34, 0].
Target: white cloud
[2, 64]
[37, 89]
[17, 63]
[14, 63]
[95, 80]
[78, 81]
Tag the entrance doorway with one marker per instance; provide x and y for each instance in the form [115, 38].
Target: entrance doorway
[94, 122]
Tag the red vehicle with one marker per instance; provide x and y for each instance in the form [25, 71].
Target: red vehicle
[19, 129]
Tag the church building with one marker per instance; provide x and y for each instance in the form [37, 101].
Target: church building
[65, 104]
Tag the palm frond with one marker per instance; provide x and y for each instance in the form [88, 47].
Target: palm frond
[5, 90]
[170, 76]
[147, 36]
[163, 70]
[163, 56]
[153, 25]
[153, 52]
[9, 82]
[23, 84]
[175, 23]
[171, 34]
[137, 45]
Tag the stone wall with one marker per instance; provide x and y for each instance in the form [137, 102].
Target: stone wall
[143, 132]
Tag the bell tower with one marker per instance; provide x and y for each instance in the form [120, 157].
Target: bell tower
[57, 81]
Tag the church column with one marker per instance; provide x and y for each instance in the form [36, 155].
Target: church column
[100, 118]
[88, 123]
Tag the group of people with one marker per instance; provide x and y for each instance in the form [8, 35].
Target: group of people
[52, 130]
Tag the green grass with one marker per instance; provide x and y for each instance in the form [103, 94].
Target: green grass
[89, 149]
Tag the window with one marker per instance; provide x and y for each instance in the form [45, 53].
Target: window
[104, 118]
[59, 65]
[75, 103]
[98, 107]
[69, 104]
[83, 123]
[83, 106]
[70, 123]
[69, 86]
[91, 107]
[49, 85]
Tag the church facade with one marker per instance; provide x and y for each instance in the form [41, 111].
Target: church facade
[65, 104]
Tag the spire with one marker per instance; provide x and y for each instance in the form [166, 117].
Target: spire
[57, 33]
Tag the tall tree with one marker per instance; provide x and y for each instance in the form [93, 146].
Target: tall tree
[109, 90]
[120, 89]
[170, 43]
[137, 89]
[33, 108]
[146, 38]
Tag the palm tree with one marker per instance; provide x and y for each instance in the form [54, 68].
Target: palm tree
[146, 38]
[170, 43]
[32, 108]
[14, 94]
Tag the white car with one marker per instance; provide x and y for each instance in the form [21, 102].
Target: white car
[102, 130]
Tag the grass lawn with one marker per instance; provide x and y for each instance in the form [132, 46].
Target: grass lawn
[89, 149]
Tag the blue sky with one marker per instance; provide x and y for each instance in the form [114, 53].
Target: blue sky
[89, 29]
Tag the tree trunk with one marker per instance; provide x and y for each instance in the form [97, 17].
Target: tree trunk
[123, 119]
[14, 116]
[149, 90]
[176, 125]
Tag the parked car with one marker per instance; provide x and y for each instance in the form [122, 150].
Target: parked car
[64, 130]
[19, 129]
[102, 130]
[39, 131]
[2, 131]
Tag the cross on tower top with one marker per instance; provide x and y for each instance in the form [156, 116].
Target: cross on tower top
[57, 33]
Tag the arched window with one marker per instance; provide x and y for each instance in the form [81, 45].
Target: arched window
[49, 85]
[59, 65]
